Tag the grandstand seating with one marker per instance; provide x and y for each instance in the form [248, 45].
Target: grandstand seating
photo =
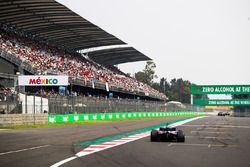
[48, 59]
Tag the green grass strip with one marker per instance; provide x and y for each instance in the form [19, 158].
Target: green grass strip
[118, 136]
[70, 123]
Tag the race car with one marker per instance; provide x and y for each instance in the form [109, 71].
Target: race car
[167, 133]
[223, 114]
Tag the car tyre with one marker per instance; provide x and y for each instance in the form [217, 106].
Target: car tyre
[154, 135]
[180, 136]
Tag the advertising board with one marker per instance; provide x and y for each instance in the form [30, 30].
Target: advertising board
[43, 80]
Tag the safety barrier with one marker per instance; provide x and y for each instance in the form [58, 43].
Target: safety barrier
[70, 118]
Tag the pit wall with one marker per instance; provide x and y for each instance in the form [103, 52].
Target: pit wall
[70, 118]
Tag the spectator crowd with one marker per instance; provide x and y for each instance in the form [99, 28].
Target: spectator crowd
[48, 59]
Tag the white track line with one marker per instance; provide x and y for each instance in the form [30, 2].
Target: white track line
[217, 126]
[117, 142]
[210, 137]
[211, 128]
[201, 145]
[26, 149]
[209, 132]
[64, 161]
[182, 144]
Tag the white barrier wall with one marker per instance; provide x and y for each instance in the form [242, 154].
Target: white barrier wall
[34, 104]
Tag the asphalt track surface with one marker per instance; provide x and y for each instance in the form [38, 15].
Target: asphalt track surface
[210, 141]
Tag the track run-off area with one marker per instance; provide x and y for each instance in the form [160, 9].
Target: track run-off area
[210, 141]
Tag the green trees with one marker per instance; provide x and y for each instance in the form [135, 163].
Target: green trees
[178, 90]
[148, 74]
[175, 90]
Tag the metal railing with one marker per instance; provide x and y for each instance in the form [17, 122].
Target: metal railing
[10, 105]
[242, 112]
[30, 104]
[70, 105]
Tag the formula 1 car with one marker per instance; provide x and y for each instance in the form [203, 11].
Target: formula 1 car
[167, 133]
[223, 114]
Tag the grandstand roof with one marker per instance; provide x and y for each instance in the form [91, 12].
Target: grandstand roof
[54, 22]
[117, 56]
[57, 24]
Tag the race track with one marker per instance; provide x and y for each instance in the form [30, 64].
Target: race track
[210, 141]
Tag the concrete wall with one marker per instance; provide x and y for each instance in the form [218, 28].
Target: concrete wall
[22, 119]
[6, 67]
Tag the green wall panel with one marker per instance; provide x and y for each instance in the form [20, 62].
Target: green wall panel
[69, 118]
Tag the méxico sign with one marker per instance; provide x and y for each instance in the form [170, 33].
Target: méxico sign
[220, 102]
[220, 89]
[42, 80]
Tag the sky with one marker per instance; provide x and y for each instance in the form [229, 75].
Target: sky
[203, 41]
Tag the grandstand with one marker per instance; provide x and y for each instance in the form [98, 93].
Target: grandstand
[43, 37]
